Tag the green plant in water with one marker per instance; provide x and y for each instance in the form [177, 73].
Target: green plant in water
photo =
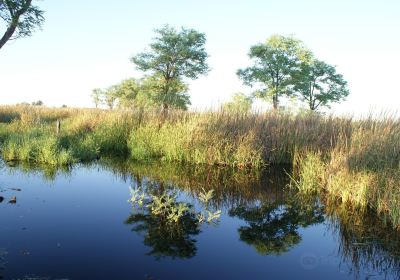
[206, 196]
[166, 206]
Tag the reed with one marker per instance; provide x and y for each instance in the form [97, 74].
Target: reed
[356, 162]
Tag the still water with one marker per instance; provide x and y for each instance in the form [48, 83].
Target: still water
[78, 224]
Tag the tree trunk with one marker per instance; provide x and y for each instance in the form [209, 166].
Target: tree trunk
[14, 23]
[275, 101]
[9, 32]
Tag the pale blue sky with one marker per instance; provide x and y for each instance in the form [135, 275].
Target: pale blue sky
[87, 44]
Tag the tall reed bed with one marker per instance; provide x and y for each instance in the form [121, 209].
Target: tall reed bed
[362, 171]
[355, 162]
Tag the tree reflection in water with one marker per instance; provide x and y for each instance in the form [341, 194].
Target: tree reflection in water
[272, 228]
[272, 216]
[166, 239]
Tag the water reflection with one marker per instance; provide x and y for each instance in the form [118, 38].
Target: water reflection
[47, 172]
[272, 228]
[271, 216]
[365, 241]
[166, 239]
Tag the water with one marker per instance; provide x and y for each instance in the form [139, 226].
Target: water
[78, 224]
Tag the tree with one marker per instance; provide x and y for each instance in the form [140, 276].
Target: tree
[318, 84]
[127, 92]
[240, 103]
[173, 56]
[20, 17]
[97, 95]
[274, 64]
[37, 103]
[177, 97]
[110, 96]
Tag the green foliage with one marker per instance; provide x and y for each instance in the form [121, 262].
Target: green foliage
[240, 103]
[127, 92]
[177, 98]
[166, 207]
[202, 139]
[36, 148]
[274, 64]
[318, 84]
[21, 18]
[167, 223]
[173, 56]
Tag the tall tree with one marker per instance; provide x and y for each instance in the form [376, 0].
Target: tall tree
[318, 84]
[20, 17]
[173, 56]
[274, 64]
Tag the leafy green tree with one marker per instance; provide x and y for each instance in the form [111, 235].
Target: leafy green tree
[318, 84]
[240, 103]
[173, 56]
[127, 92]
[20, 18]
[177, 97]
[97, 95]
[274, 64]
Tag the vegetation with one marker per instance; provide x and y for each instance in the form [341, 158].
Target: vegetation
[318, 84]
[283, 66]
[174, 55]
[240, 103]
[275, 63]
[356, 162]
[167, 223]
[20, 17]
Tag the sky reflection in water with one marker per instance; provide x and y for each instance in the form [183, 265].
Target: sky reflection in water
[77, 224]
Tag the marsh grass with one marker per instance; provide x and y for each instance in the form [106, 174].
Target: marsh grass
[361, 172]
[356, 162]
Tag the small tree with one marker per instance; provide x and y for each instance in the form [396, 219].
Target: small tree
[110, 96]
[318, 84]
[20, 17]
[127, 92]
[37, 103]
[274, 64]
[173, 56]
[97, 95]
[240, 103]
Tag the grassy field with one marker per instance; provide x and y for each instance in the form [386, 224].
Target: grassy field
[354, 162]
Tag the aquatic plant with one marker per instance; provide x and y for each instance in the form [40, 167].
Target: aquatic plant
[166, 206]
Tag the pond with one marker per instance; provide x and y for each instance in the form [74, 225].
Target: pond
[78, 223]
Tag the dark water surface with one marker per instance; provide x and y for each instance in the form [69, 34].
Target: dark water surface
[78, 224]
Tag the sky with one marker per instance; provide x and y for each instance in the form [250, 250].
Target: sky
[88, 44]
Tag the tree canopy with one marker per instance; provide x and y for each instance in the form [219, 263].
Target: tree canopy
[20, 17]
[318, 84]
[275, 61]
[173, 56]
